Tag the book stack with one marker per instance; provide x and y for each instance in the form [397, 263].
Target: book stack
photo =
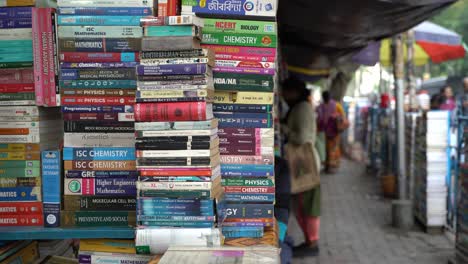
[109, 251]
[244, 77]
[25, 129]
[177, 146]
[432, 160]
[99, 43]
[19, 252]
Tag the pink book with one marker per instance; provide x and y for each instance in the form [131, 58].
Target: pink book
[43, 21]
[37, 51]
[51, 56]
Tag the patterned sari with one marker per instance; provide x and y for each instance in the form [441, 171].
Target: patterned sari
[327, 123]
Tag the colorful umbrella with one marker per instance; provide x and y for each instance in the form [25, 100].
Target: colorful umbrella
[433, 42]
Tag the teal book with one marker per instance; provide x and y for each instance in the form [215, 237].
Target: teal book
[173, 31]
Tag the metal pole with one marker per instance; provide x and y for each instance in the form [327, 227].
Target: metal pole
[398, 72]
[410, 80]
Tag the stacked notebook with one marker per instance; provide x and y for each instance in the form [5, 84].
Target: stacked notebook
[244, 76]
[177, 145]
[98, 47]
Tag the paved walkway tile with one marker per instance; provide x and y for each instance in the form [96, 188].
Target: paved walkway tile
[355, 226]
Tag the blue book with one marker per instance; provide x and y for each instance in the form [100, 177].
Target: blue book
[188, 224]
[172, 31]
[99, 154]
[16, 43]
[155, 200]
[51, 187]
[246, 231]
[172, 213]
[66, 20]
[97, 109]
[9, 51]
[227, 115]
[20, 194]
[99, 174]
[15, 12]
[16, 23]
[247, 170]
[108, 11]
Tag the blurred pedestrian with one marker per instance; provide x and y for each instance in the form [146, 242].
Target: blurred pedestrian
[447, 99]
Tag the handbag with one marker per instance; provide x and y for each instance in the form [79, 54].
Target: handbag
[303, 166]
[342, 124]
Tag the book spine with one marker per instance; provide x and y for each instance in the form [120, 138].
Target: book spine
[31, 138]
[38, 62]
[8, 156]
[17, 34]
[99, 203]
[186, 224]
[16, 76]
[261, 10]
[99, 57]
[163, 8]
[173, 69]
[93, 140]
[238, 232]
[109, 11]
[217, 25]
[97, 218]
[172, 78]
[65, 20]
[90, 258]
[17, 96]
[178, 213]
[109, 117]
[247, 210]
[19, 172]
[175, 218]
[245, 123]
[100, 165]
[100, 32]
[175, 194]
[174, 185]
[242, 51]
[268, 169]
[99, 174]
[16, 43]
[16, 12]
[22, 147]
[246, 108]
[181, 54]
[53, 58]
[99, 44]
[172, 153]
[17, 103]
[44, 22]
[11, 23]
[20, 208]
[51, 177]
[21, 220]
[87, 100]
[19, 194]
[166, 172]
[169, 43]
[236, 97]
[254, 142]
[19, 164]
[17, 88]
[93, 65]
[179, 179]
[172, 31]
[89, 154]
[165, 61]
[249, 190]
[246, 132]
[168, 88]
[200, 125]
[248, 182]
[20, 182]
[96, 186]
[194, 111]
[98, 92]
[90, 109]
[245, 64]
[98, 84]
[231, 57]
[172, 94]
[252, 198]
[18, 64]
[184, 161]
[17, 131]
[105, 3]
[243, 115]
[244, 70]
[232, 39]
[98, 74]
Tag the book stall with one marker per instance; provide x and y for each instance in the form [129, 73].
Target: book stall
[134, 131]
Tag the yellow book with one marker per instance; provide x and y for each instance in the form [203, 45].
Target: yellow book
[26, 255]
[108, 245]
[176, 93]
[20, 2]
[240, 97]
[19, 147]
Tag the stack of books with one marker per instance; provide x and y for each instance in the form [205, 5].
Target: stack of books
[109, 251]
[432, 158]
[177, 146]
[25, 129]
[244, 77]
[99, 43]
[19, 252]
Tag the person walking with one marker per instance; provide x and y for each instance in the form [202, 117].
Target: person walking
[448, 99]
[300, 130]
[331, 121]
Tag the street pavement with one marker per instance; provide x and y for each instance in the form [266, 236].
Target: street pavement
[356, 226]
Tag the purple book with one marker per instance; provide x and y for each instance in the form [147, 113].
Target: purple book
[16, 12]
[173, 69]
[245, 70]
[91, 65]
[16, 23]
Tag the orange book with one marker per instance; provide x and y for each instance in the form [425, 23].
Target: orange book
[14, 131]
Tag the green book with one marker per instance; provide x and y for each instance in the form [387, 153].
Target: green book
[247, 40]
[248, 182]
[20, 172]
[172, 31]
[243, 82]
[8, 65]
[17, 96]
[217, 25]
[19, 164]
[97, 218]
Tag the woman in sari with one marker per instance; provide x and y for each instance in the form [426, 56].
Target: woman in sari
[300, 129]
[329, 113]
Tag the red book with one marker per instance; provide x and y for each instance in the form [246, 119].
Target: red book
[16, 76]
[91, 100]
[99, 56]
[168, 7]
[22, 220]
[17, 88]
[37, 53]
[120, 117]
[183, 111]
[20, 208]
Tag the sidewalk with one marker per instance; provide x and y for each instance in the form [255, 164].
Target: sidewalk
[355, 226]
